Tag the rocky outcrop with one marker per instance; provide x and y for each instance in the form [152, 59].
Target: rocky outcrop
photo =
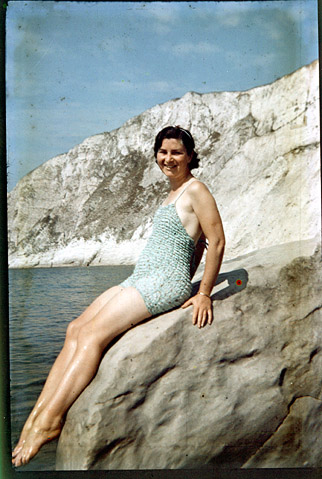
[297, 441]
[259, 154]
[245, 391]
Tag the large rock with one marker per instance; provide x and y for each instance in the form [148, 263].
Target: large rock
[298, 440]
[168, 395]
[259, 154]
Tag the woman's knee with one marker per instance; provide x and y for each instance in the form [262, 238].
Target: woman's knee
[72, 332]
[92, 337]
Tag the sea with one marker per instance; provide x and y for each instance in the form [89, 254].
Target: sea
[42, 302]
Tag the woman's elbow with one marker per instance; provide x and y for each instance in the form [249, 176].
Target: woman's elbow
[221, 243]
[223, 240]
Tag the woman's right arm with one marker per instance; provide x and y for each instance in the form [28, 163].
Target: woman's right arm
[206, 210]
[199, 250]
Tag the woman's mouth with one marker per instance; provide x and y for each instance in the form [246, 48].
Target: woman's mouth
[169, 167]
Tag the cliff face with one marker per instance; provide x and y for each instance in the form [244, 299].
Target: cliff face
[260, 159]
[244, 392]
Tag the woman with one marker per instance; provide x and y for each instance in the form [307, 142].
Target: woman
[161, 281]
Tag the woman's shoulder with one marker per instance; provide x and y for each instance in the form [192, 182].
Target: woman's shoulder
[200, 194]
[198, 187]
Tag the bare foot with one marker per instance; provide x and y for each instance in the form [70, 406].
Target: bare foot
[25, 431]
[35, 438]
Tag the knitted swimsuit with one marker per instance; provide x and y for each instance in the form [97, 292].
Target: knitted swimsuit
[162, 273]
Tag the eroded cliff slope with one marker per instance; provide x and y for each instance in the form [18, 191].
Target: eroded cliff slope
[259, 154]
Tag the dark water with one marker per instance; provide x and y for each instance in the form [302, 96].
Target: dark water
[41, 304]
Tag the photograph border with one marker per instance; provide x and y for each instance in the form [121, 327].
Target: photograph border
[6, 471]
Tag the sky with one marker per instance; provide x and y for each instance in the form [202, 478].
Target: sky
[76, 69]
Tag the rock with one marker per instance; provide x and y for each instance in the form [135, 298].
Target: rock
[298, 440]
[259, 153]
[168, 395]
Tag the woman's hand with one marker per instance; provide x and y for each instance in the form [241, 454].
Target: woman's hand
[202, 309]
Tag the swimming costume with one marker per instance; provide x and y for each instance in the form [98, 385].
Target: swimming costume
[162, 273]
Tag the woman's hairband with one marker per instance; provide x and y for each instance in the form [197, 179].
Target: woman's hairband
[184, 131]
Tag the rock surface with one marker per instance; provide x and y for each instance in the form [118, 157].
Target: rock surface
[259, 153]
[298, 441]
[245, 391]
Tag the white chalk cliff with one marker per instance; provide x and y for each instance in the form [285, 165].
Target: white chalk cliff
[259, 153]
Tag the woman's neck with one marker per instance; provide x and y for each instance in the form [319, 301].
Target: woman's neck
[176, 183]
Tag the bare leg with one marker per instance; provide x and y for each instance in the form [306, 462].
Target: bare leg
[61, 363]
[121, 312]
[63, 359]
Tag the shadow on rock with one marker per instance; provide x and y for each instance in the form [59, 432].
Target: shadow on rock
[237, 281]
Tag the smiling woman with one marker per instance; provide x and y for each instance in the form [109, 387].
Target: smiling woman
[161, 281]
[163, 272]
[185, 144]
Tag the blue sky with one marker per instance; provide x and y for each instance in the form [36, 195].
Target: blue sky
[75, 69]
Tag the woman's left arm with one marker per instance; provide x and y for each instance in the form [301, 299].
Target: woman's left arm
[207, 212]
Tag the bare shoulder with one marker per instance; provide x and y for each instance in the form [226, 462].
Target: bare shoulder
[203, 203]
[199, 191]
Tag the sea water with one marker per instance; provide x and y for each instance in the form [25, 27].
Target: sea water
[42, 302]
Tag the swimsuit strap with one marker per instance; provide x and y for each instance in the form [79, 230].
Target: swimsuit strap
[184, 189]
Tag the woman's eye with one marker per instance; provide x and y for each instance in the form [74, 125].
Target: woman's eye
[176, 153]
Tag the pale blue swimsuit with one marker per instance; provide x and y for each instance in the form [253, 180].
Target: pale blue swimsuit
[162, 273]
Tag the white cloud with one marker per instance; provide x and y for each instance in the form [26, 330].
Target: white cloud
[161, 86]
[157, 85]
[263, 60]
[166, 13]
[229, 20]
[273, 32]
[19, 34]
[251, 59]
[162, 17]
[229, 14]
[161, 28]
[188, 48]
[111, 45]
[299, 9]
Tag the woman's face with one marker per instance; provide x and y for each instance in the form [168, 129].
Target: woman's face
[173, 158]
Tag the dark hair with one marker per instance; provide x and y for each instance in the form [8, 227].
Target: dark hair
[178, 133]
